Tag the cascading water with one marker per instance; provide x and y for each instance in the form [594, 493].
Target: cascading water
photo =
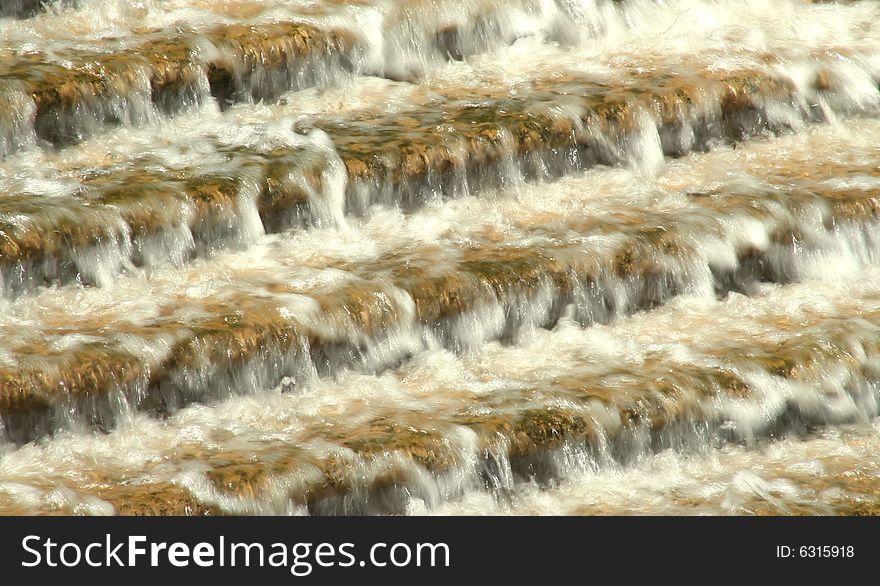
[524, 256]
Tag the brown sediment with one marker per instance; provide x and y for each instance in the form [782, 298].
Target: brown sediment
[458, 135]
[404, 153]
[234, 333]
[305, 478]
[528, 424]
[443, 284]
[840, 485]
[167, 71]
[154, 499]
[234, 323]
[250, 328]
[815, 341]
[19, 241]
[245, 61]
[491, 275]
[137, 498]
[92, 370]
[383, 435]
[138, 202]
[373, 452]
[250, 51]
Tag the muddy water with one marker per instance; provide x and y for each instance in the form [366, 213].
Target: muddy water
[533, 257]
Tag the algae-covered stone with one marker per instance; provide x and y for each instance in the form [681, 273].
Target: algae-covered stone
[381, 437]
[154, 499]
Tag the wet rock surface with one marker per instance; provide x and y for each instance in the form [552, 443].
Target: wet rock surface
[392, 258]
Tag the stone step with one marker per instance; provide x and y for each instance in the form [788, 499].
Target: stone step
[240, 323]
[767, 367]
[447, 147]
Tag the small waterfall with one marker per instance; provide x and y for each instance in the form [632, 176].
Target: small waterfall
[397, 257]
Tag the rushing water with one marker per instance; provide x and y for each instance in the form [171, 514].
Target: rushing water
[493, 257]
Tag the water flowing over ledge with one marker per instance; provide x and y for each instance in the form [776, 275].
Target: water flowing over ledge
[404, 257]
